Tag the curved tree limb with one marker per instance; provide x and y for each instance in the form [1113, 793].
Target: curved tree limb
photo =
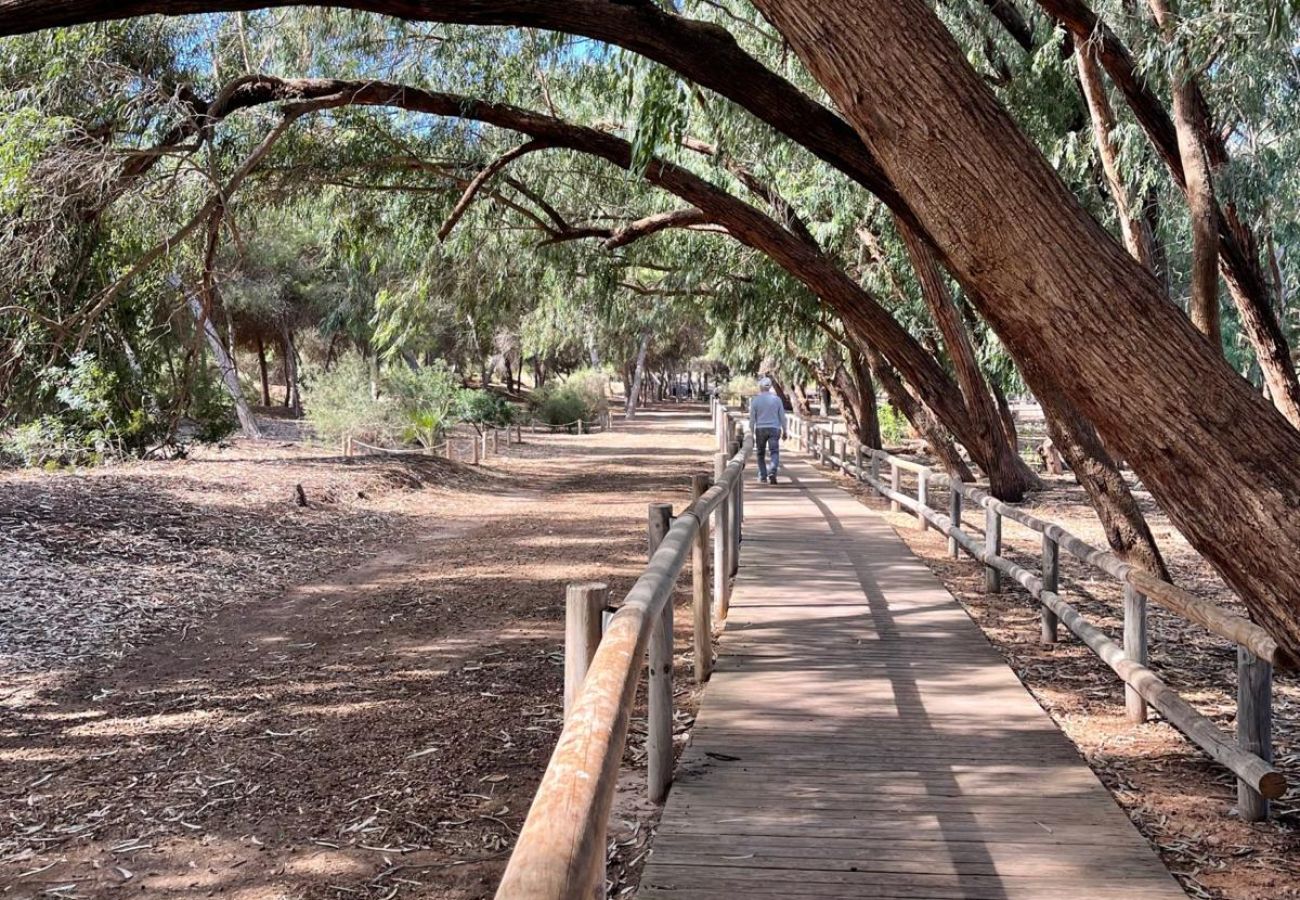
[482, 178]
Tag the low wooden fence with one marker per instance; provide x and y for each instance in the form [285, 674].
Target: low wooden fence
[478, 446]
[583, 426]
[1249, 756]
[560, 853]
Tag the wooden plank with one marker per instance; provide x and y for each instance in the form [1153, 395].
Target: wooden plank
[860, 737]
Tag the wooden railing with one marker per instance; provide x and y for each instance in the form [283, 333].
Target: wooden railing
[1249, 757]
[479, 444]
[560, 853]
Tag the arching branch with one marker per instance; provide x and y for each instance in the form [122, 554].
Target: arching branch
[482, 178]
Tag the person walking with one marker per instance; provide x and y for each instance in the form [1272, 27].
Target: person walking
[767, 421]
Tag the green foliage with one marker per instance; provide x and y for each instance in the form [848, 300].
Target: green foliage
[93, 417]
[894, 428]
[426, 399]
[338, 404]
[414, 406]
[740, 387]
[580, 396]
[483, 409]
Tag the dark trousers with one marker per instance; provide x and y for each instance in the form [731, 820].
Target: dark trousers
[767, 440]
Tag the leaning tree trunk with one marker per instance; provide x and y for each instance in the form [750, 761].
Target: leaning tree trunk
[1127, 531]
[1009, 476]
[868, 413]
[936, 438]
[638, 376]
[1202, 207]
[1067, 296]
[1238, 247]
[226, 365]
[1132, 228]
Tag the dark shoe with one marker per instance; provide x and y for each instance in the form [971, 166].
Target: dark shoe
[771, 479]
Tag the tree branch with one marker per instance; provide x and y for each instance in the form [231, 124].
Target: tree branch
[482, 178]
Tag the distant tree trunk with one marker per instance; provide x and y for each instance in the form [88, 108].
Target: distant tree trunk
[261, 365]
[638, 375]
[292, 399]
[1189, 124]
[1131, 226]
[799, 400]
[509, 374]
[1006, 415]
[226, 365]
[868, 415]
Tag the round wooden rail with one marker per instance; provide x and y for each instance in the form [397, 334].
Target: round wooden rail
[1249, 767]
[561, 847]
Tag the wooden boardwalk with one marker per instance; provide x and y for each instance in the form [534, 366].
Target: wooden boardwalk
[861, 738]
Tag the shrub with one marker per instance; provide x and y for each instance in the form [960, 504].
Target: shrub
[560, 406]
[590, 385]
[426, 401]
[577, 396]
[483, 409]
[740, 387]
[94, 416]
[893, 426]
[338, 404]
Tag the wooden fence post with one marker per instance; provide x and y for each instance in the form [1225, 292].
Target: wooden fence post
[1254, 726]
[580, 425]
[659, 727]
[895, 482]
[721, 541]
[1135, 647]
[485, 444]
[584, 604]
[861, 471]
[922, 499]
[737, 511]
[473, 443]
[1051, 582]
[700, 589]
[875, 466]
[992, 545]
[954, 513]
[496, 440]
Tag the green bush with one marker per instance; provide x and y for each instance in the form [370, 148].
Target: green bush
[577, 396]
[483, 409]
[739, 387]
[426, 401]
[414, 406]
[560, 406]
[93, 417]
[894, 428]
[338, 404]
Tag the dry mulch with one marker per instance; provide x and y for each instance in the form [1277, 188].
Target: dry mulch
[216, 692]
[1182, 801]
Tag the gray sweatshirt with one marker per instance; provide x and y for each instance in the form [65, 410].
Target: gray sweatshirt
[766, 411]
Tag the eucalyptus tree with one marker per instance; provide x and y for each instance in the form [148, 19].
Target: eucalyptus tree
[928, 137]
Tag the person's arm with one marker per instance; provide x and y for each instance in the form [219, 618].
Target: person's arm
[784, 435]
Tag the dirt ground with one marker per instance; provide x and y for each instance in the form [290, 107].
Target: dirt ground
[1182, 801]
[210, 690]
